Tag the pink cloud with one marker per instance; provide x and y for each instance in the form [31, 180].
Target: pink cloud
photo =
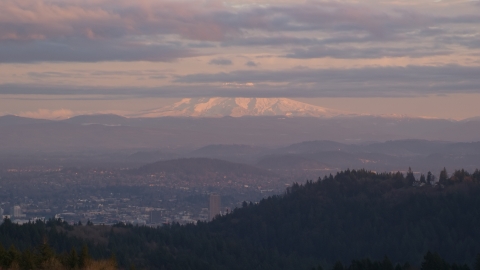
[142, 30]
[43, 19]
[210, 20]
[48, 114]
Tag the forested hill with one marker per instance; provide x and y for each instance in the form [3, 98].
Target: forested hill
[360, 214]
[352, 215]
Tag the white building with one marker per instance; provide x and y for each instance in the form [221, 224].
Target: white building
[16, 212]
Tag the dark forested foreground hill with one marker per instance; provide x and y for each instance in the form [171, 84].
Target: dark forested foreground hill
[352, 215]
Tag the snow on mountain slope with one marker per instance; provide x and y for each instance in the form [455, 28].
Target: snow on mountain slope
[237, 107]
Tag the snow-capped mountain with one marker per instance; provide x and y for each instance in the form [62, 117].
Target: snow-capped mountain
[237, 107]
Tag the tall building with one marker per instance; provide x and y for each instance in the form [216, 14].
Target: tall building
[156, 216]
[1, 213]
[16, 211]
[215, 203]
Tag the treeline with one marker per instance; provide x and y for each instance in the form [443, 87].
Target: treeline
[44, 257]
[353, 214]
[431, 261]
[59, 236]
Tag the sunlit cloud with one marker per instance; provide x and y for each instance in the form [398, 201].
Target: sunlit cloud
[48, 114]
[162, 31]
[242, 48]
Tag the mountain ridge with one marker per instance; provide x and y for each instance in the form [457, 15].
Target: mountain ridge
[238, 107]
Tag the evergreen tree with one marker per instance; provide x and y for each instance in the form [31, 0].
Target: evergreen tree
[338, 266]
[73, 260]
[443, 179]
[433, 261]
[477, 262]
[429, 178]
[387, 264]
[476, 176]
[459, 267]
[410, 177]
[3, 256]
[27, 260]
[13, 257]
[422, 179]
[84, 257]
[46, 253]
[406, 266]
[113, 261]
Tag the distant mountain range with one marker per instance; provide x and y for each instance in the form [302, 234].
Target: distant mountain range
[113, 132]
[314, 158]
[237, 107]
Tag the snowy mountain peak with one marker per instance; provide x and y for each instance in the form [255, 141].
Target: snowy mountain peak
[237, 107]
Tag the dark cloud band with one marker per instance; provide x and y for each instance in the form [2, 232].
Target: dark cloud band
[89, 51]
[361, 82]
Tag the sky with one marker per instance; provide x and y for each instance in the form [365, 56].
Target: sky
[61, 58]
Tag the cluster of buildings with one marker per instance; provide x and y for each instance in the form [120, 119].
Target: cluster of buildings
[110, 213]
[16, 215]
[110, 196]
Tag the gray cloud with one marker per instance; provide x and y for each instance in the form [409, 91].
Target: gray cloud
[355, 53]
[300, 82]
[339, 17]
[157, 77]
[52, 74]
[468, 40]
[431, 31]
[153, 74]
[117, 30]
[348, 37]
[373, 81]
[201, 45]
[115, 19]
[251, 64]
[89, 51]
[465, 19]
[220, 62]
[110, 19]
[270, 41]
[371, 74]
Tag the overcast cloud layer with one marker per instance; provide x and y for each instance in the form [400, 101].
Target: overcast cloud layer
[156, 48]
